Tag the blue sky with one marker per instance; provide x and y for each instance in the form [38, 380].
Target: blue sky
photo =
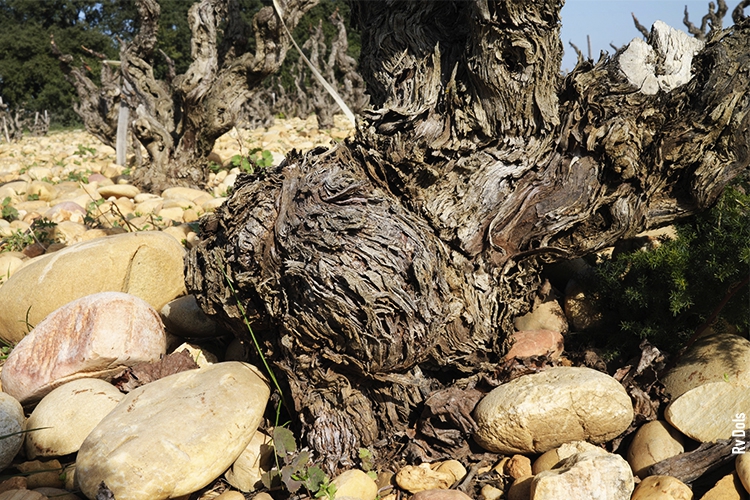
[610, 21]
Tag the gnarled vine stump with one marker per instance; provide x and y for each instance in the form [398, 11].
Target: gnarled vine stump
[391, 266]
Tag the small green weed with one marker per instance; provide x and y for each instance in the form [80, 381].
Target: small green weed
[296, 471]
[215, 167]
[8, 212]
[84, 150]
[243, 163]
[256, 158]
[16, 242]
[79, 176]
[32, 197]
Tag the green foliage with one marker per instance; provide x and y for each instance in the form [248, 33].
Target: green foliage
[261, 158]
[8, 212]
[257, 158]
[16, 242]
[243, 163]
[294, 471]
[85, 150]
[78, 176]
[367, 461]
[665, 294]
[30, 74]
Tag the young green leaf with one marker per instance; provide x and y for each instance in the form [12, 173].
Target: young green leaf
[283, 441]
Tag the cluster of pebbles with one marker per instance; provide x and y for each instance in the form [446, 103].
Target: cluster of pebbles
[94, 303]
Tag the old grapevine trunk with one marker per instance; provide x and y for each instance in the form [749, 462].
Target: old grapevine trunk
[382, 275]
[179, 119]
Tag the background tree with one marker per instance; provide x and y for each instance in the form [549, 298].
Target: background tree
[29, 74]
[384, 274]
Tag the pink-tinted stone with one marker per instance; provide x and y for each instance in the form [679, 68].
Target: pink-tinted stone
[94, 336]
[64, 210]
[536, 343]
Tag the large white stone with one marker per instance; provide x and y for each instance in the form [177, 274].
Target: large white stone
[355, 484]
[742, 467]
[654, 442]
[183, 317]
[662, 488]
[708, 412]
[11, 425]
[714, 358]
[92, 337]
[65, 416]
[148, 265]
[585, 475]
[246, 472]
[175, 435]
[538, 412]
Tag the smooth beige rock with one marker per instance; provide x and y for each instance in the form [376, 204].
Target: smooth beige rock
[22, 495]
[231, 495]
[92, 337]
[580, 309]
[706, 413]
[211, 205]
[520, 489]
[414, 478]
[489, 492]
[742, 467]
[440, 495]
[56, 493]
[178, 202]
[355, 483]
[11, 423]
[545, 316]
[538, 412]
[42, 190]
[518, 466]
[176, 193]
[13, 483]
[65, 416]
[585, 475]
[550, 458]
[452, 467]
[149, 206]
[9, 264]
[714, 358]
[653, 442]
[148, 265]
[68, 232]
[41, 474]
[256, 458]
[727, 488]
[183, 317]
[662, 488]
[119, 191]
[173, 214]
[175, 435]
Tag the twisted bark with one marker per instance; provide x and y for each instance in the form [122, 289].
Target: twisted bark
[98, 105]
[391, 266]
